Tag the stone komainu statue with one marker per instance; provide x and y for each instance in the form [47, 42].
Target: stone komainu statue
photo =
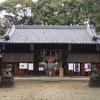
[7, 80]
[7, 70]
[95, 77]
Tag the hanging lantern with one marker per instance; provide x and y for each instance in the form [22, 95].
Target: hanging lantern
[43, 51]
[56, 52]
[50, 53]
[3, 47]
[0, 49]
[31, 46]
[97, 47]
[60, 52]
[69, 47]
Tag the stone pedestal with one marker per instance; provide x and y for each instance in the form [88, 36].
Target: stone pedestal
[7, 81]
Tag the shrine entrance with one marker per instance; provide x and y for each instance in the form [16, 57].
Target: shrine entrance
[49, 62]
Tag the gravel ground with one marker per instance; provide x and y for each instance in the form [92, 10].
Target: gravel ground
[58, 90]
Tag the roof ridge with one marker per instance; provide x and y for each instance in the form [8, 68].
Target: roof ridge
[49, 26]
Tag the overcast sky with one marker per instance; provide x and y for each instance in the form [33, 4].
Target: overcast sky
[1, 1]
[4, 0]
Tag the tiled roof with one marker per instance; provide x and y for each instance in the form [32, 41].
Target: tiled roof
[50, 34]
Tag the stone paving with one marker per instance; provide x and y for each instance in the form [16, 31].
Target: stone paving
[54, 78]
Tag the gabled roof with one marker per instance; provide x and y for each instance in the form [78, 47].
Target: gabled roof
[50, 34]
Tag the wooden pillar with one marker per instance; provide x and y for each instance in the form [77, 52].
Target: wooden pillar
[35, 62]
[82, 69]
[0, 69]
[78, 74]
[66, 69]
[89, 73]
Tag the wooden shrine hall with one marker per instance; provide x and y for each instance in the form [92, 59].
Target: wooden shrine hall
[43, 50]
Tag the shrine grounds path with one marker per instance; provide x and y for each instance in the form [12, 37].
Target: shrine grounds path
[50, 88]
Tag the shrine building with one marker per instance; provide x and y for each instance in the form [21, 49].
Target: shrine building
[43, 50]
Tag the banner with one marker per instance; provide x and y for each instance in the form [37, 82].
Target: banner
[76, 67]
[87, 67]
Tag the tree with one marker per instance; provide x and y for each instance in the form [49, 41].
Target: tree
[3, 25]
[52, 12]
[18, 11]
[92, 9]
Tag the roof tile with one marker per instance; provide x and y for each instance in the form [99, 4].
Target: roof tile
[51, 34]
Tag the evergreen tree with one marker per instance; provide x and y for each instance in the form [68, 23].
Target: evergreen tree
[52, 12]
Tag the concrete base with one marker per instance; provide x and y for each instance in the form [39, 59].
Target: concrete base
[7, 81]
